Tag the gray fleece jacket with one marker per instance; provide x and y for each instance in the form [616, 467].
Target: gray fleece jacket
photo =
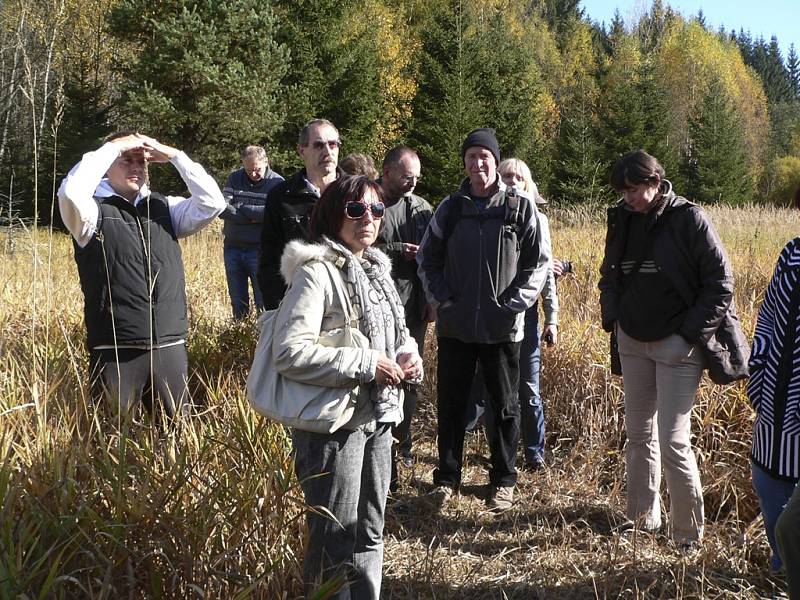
[484, 269]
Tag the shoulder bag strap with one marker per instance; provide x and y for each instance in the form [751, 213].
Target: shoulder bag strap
[341, 292]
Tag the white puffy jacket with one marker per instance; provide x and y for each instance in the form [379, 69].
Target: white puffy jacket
[310, 309]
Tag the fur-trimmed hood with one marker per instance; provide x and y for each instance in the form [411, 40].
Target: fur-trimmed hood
[298, 252]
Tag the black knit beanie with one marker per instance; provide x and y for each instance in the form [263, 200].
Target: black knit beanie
[483, 137]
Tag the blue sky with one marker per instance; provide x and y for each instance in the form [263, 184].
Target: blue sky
[764, 17]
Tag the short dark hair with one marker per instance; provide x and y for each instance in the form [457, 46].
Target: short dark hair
[635, 168]
[394, 155]
[359, 164]
[305, 132]
[119, 134]
[328, 213]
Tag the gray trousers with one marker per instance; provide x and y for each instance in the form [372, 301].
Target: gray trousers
[128, 376]
[660, 380]
[787, 532]
[345, 479]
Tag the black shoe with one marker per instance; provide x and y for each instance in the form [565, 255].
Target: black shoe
[407, 460]
[534, 464]
[688, 549]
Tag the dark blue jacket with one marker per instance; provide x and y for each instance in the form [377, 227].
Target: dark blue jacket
[245, 210]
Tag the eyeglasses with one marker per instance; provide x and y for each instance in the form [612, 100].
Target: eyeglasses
[331, 144]
[357, 210]
[411, 179]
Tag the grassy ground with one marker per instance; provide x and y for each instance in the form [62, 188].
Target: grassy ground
[211, 509]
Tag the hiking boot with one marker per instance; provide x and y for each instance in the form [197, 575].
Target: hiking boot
[688, 549]
[628, 527]
[533, 464]
[500, 498]
[440, 495]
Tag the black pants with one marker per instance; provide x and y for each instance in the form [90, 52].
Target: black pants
[127, 376]
[402, 431]
[500, 363]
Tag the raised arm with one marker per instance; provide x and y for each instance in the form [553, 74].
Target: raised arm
[76, 203]
[205, 201]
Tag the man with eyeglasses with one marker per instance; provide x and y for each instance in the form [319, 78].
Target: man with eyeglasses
[289, 204]
[406, 219]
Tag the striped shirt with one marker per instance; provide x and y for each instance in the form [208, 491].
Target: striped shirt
[774, 386]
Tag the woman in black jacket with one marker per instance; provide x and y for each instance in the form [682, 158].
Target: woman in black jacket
[665, 286]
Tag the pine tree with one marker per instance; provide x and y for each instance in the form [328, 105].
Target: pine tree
[446, 107]
[776, 78]
[745, 42]
[579, 171]
[208, 75]
[333, 74]
[715, 163]
[579, 174]
[560, 16]
[621, 117]
[472, 74]
[793, 72]
[701, 19]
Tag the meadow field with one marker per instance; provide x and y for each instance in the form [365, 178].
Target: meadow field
[210, 509]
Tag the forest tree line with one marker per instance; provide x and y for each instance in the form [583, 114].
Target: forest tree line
[720, 109]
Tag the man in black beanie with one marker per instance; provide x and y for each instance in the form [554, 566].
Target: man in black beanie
[481, 267]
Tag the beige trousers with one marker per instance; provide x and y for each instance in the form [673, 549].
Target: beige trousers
[660, 380]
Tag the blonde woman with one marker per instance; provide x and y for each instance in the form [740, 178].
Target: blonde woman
[516, 174]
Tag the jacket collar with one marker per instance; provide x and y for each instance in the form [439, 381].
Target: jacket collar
[104, 190]
[494, 200]
[297, 253]
[298, 183]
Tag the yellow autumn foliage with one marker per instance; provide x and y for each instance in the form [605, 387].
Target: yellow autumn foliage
[687, 60]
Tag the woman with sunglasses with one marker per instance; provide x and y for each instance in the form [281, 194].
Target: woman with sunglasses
[345, 474]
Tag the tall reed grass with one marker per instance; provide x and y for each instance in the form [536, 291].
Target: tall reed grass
[211, 508]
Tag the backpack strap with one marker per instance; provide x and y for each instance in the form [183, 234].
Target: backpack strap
[453, 217]
[512, 218]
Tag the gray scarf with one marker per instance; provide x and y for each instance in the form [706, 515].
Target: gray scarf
[381, 316]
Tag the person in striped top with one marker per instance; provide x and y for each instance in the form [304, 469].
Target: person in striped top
[774, 391]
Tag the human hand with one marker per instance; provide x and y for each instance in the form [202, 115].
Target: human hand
[561, 267]
[128, 143]
[411, 363]
[155, 151]
[410, 251]
[388, 372]
[550, 335]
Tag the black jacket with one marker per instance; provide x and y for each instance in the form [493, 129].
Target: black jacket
[688, 252]
[287, 217]
[406, 222]
[134, 250]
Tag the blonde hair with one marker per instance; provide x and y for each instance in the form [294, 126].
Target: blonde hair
[515, 165]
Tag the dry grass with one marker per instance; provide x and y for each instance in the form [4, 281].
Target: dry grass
[211, 509]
